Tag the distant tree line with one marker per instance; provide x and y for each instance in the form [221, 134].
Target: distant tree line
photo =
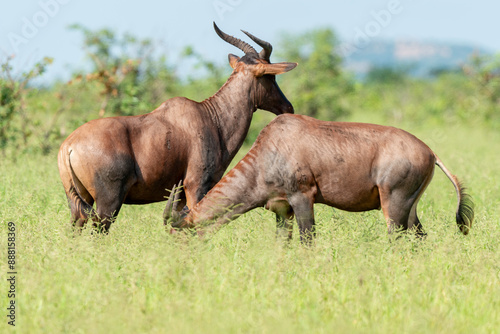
[129, 76]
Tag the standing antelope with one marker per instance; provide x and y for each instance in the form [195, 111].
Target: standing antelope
[133, 160]
[297, 161]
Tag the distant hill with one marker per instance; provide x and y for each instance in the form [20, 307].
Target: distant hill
[420, 59]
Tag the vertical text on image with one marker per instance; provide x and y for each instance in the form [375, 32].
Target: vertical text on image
[11, 273]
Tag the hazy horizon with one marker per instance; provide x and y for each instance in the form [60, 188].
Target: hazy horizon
[34, 29]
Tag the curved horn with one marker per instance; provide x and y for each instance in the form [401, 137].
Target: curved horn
[245, 47]
[171, 211]
[267, 48]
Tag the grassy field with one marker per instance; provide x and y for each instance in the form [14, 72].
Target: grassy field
[139, 279]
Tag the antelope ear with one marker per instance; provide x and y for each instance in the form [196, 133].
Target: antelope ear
[278, 68]
[233, 60]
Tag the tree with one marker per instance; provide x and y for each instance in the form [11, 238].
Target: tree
[319, 85]
[15, 120]
[127, 70]
[387, 75]
[484, 74]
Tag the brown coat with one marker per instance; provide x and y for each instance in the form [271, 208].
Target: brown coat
[298, 161]
[134, 159]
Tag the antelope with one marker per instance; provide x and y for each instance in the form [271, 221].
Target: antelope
[135, 159]
[297, 161]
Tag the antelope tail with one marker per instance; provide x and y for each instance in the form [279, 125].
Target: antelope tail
[79, 207]
[465, 206]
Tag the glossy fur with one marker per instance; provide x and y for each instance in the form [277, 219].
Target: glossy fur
[133, 160]
[298, 161]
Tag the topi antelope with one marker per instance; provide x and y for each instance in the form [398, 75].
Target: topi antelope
[297, 161]
[133, 160]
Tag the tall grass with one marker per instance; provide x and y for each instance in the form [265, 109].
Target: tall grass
[241, 280]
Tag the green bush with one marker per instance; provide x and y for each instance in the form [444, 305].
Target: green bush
[128, 77]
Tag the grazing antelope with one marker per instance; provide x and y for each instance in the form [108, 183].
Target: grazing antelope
[297, 161]
[133, 160]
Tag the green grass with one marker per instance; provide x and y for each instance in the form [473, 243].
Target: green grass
[241, 280]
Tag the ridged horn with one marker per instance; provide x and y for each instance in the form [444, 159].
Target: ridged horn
[171, 211]
[245, 47]
[267, 48]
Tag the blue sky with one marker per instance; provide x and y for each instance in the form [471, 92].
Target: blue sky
[34, 29]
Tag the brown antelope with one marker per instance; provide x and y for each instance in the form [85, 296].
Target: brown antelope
[133, 160]
[297, 161]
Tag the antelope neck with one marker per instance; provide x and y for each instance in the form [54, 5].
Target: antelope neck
[231, 110]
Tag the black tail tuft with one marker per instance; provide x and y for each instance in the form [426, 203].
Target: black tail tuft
[465, 212]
